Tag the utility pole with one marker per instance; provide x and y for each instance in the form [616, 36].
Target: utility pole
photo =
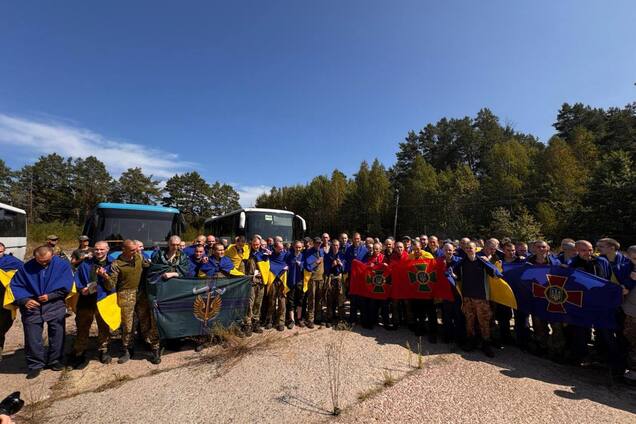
[397, 203]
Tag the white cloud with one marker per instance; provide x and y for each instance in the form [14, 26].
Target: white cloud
[250, 193]
[66, 140]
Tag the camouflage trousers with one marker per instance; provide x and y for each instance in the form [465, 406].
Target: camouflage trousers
[253, 315]
[277, 301]
[477, 310]
[309, 298]
[335, 290]
[320, 299]
[629, 331]
[554, 342]
[130, 302]
[85, 313]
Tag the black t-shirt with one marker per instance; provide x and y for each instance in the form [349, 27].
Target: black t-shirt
[472, 276]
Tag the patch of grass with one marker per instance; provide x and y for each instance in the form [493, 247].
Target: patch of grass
[118, 381]
[388, 379]
[342, 326]
[368, 394]
[233, 347]
[420, 358]
[410, 352]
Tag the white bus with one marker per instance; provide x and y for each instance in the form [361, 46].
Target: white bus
[264, 222]
[13, 230]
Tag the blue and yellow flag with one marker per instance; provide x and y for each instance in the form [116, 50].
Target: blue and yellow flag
[558, 294]
[8, 299]
[499, 291]
[107, 305]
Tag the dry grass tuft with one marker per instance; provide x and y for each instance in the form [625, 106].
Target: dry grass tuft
[388, 379]
[118, 381]
[368, 394]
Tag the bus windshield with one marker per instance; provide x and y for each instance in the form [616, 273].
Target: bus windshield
[116, 225]
[269, 224]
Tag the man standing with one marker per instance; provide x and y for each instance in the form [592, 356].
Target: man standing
[453, 321]
[86, 281]
[355, 251]
[219, 265]
[334, 270]
[82, 252]
[239, 253]
[295, 282]
[9, 265]
[313, 262]
[254, 266]
[39, 289]
[209, 242]
[421, 314]
[476, 307]
[51, 241]
[278, 267]
[125, 277]
[197, 261]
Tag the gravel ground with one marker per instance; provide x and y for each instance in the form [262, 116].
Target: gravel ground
[283, 377]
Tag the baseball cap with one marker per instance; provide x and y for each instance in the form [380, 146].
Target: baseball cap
[52, 237]
[83, 238]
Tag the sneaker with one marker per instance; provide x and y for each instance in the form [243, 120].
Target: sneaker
[310, 324]
[56, 366]
[290, 325]
[280, 327]
[156, 357]
[33, 373]
[125, 357]
[105, 358]
[487, 349]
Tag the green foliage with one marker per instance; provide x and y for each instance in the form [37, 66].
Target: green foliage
[197, 199]
[6, 179]
[67, 232]
[135, 187]
[521, 226]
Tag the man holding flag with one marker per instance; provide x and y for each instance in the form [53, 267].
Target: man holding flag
[471, 271]
[39, 289]
[88, 284]
[8, 266]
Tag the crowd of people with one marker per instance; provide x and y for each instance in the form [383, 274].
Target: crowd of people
[314, 292]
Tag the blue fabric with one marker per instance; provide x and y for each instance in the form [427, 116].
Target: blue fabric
[597, 266]
[330, 258]
[278, 262]
[598, 298]
[213, 266]
[621, 267]
[195, 267]
[295, 272]
[33, 280]
[310, 257]
[10, 262]
[352, 253]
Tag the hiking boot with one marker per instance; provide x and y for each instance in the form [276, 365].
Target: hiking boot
[256, 328]
[125, 357]
[300, 324]
[310, 324]
[155, 358]
[105, 358]
[247, 330]
[280, 327]
[290, 325]
[268, 326]
[487, 349]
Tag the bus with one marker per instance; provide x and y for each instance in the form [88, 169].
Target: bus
[13, 230]
[264, 222]
[116, 222]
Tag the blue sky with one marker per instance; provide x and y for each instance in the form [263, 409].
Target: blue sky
[264, 93]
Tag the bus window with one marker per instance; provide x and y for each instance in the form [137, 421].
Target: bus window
[269, 224]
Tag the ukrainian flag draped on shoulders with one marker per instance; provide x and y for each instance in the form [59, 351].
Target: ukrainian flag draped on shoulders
[262, 263]
[237, 255]
[33, 280]
[107, 305]
[9, 265]
[278, 268]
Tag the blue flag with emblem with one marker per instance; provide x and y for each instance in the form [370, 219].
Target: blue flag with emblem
[558, 294]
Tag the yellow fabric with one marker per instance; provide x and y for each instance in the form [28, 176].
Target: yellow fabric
[109, 311]
[232, 253]
[72, 297]
[236, 272]
[499, 290]
[283, 278]
[7, 302]
[263, 267]
[424, 255]
[306, 278]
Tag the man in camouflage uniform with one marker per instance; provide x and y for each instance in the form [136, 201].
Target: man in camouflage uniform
[86, 279]
[125, 276]
[313, 262]
[334, 268]
[82, 252]
[252, 321]
[278, 298]
[51, 241]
